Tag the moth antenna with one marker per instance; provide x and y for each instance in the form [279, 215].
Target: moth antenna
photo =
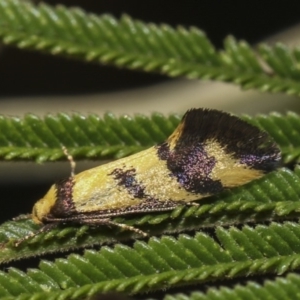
[70, 159]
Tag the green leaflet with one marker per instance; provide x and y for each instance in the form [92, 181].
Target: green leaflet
[160, 263]
[153, 48]
[40, 139]
[275, 196]
[282, 288]
[84, 136]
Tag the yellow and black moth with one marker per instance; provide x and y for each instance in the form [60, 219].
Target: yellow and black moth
[209, 151]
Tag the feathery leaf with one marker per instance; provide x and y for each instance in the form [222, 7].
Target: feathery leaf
[84, 136]
[91, 136]
[282, 288]
[161, 263]
[153, 48]
[275, 196]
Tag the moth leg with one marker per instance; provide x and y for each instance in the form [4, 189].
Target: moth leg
[43, 229]
[192, 203]
[22, 217]
[96, 221]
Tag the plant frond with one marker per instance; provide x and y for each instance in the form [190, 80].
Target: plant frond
[281, 288]
[84, 136]
[273, 197]
[153, 48]
[161, 263]
[41, 139]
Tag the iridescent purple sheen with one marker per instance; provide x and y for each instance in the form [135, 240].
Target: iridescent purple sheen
[127, 179]
[190, 163]
[265, 163]
[192, 168]
[238, 138]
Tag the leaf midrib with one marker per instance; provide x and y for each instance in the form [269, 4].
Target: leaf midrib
[177, 278]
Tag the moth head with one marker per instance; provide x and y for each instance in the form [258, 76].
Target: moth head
[42, 208]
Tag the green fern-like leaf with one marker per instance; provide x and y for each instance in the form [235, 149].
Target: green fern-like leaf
[161, 263]
[84, 136]
[149, 47]
[91, 136]
[274, 197]
[282, 288]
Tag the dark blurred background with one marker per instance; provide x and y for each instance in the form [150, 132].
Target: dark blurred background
[24, 73]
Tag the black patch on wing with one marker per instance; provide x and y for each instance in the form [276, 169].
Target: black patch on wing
[64, 205]
[126, 178]
[243, 141]
[191, 166]
[190, 163]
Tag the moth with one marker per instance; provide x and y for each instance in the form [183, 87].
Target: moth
[208, 152]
